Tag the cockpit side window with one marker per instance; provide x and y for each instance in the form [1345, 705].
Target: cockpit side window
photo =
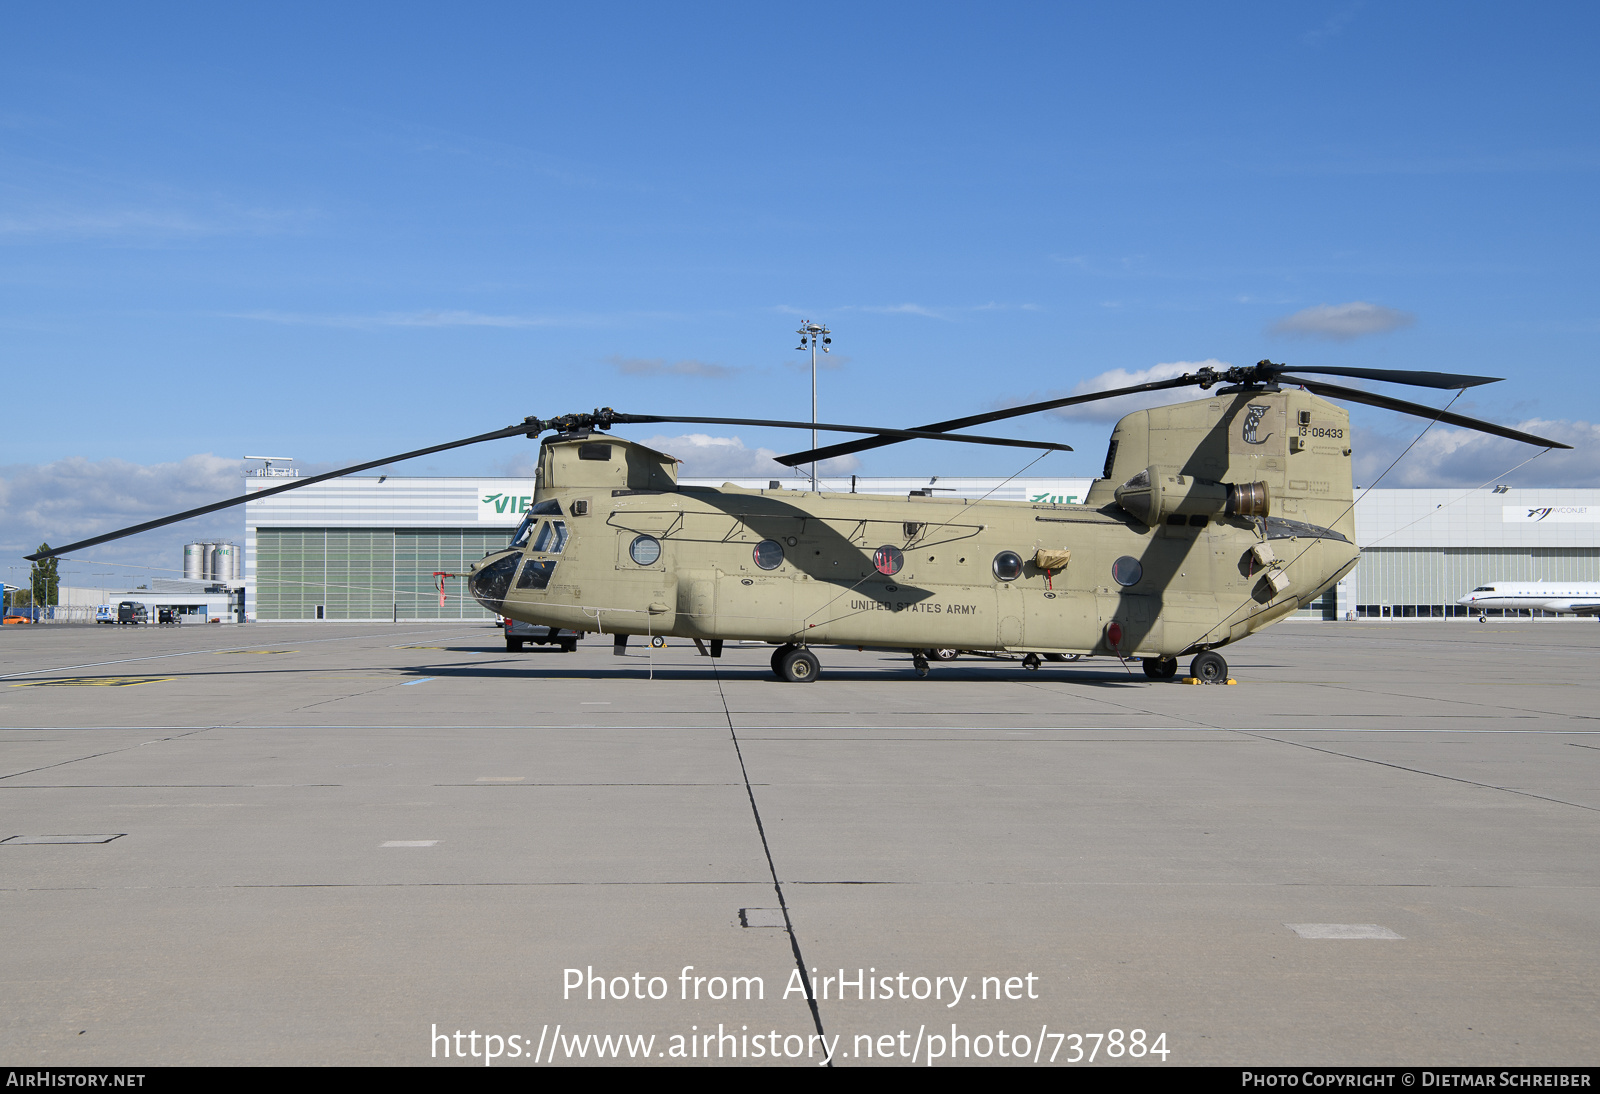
[550, 507]
[552, 538]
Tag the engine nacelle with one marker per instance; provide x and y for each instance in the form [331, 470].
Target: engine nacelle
[1157, 493]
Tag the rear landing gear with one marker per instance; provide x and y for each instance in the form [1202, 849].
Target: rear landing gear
[1161, 668]
[1031, 662]
[1208, 668]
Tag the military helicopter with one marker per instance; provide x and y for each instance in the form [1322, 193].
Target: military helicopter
[1212, 519]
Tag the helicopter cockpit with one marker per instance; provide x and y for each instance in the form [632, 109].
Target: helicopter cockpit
[548, 507]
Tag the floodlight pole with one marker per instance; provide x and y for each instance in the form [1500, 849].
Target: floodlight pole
[810, 334]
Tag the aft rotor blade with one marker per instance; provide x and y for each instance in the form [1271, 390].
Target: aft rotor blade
[1401, 376]
[847, 447]
[1317, 387]
[889, 436]
[509, 431]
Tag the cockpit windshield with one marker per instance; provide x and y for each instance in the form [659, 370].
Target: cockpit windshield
[524, 530]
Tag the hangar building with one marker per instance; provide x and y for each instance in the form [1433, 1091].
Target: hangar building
[370, 548]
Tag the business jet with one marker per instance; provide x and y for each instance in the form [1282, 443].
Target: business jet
[1571, 597]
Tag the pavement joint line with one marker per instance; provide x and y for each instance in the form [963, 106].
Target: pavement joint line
[944, 884]
[766, 849]
[810, 728]
[1419, 771]
[107, 752]
[161, 656]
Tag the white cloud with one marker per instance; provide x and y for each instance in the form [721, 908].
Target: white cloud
[150, 223]
[655, 366]
[1465, 457]
[1342, 322]
[428, 317]
[76, 498]
[705, 456]
[896, 309]
[1112, 409]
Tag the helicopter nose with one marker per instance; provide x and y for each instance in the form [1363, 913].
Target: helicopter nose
[488, 585]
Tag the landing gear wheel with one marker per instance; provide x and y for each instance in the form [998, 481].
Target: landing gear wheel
[920, 663]
[1161, 668]
[800, 666]
[943, 654]
[569, 645]
[1208, 667]
[514, 644]
[657, 641]
[777, 659]
[1031, 662]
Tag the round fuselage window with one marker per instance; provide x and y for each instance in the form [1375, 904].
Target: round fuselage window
[645, 550]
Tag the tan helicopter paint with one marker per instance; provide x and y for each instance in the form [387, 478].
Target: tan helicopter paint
[1201, 586]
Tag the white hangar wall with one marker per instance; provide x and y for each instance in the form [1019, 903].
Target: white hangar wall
[362, 549]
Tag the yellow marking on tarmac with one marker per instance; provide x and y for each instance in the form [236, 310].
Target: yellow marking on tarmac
[95, 681]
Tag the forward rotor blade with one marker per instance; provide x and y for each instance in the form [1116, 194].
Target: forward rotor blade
[796, 458]
[509, 431]
[527, 428]
[1317, 387]
[889, 436]
[1400, 376]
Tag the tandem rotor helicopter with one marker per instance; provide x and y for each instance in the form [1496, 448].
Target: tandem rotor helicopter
[1212, 519]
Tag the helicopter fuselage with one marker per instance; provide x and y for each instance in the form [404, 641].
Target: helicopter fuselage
[614, 545]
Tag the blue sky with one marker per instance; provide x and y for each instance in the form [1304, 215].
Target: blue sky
[336, 235]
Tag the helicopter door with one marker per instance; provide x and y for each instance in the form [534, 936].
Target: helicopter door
[755, 605]
[1137, 619]
[697, 601]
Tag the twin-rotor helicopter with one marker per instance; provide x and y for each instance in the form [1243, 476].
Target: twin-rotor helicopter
[1212, 519]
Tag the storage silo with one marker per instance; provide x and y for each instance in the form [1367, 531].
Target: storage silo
[225, 562]
[195, 559]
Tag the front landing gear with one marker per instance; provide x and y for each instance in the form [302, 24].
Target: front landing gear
[919, 661]
[795, 664]
[1208, 668]
[1161, 668]
[777, 659]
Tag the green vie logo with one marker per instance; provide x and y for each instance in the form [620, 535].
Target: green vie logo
[1056, 499]
[502, 502]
